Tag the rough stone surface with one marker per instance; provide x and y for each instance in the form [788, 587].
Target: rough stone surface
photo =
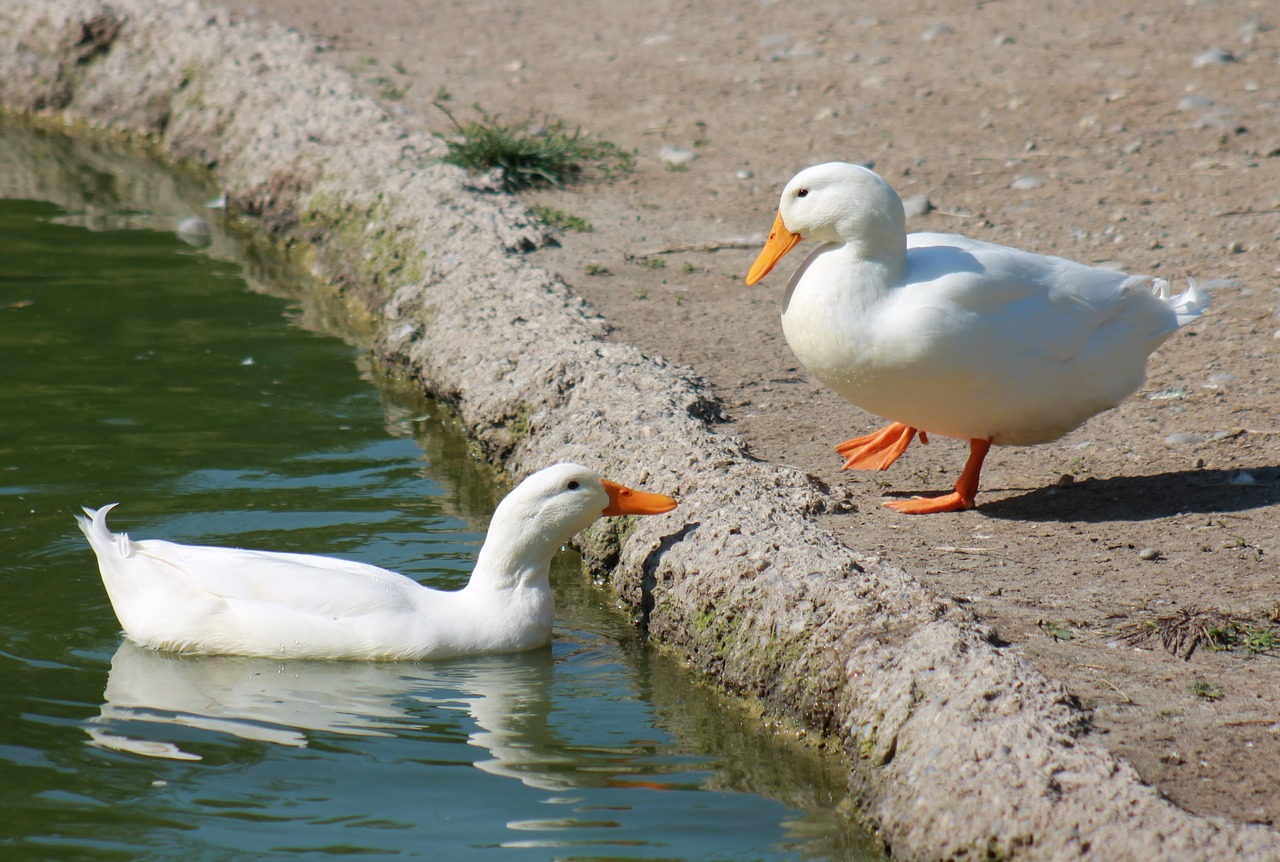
[963, 750]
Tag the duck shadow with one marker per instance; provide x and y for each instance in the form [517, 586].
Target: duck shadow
[1144, 498]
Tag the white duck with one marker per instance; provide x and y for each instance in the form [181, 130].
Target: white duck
[279, 605]
[954, 336]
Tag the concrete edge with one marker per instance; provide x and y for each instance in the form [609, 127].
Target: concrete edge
[965, 751]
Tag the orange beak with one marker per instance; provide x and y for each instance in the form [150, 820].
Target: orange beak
[780, 242]
[624, 501]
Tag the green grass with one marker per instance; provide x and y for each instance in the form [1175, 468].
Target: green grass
[1241, 635]
[388, 89]
[549, 155]
[562, 219]
[1259, 640]
[1206, 690]
[646, 262]
[1184, 630]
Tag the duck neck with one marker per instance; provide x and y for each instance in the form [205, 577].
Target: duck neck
[874, 228]
[884, 251]
[513, 556]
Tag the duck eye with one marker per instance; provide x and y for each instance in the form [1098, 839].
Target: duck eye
[802, 193]
[573, 485]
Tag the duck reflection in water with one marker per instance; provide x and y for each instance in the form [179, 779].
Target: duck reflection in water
[151, 696]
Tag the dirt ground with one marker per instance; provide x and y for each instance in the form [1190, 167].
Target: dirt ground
[1145, 135]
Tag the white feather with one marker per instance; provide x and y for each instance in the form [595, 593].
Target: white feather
[281, 605]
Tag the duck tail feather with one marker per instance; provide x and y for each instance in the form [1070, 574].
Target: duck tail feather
[93, 523]
[1188, 305]
[1192, 303]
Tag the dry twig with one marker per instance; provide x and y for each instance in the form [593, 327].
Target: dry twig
[1182, 632]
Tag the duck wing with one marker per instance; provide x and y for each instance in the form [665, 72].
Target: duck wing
[300, 583]
[1046, 306]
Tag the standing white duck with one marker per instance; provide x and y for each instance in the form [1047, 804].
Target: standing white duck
[279, 605]
[954, 336]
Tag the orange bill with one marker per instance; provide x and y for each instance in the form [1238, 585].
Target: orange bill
[624, 501]
[780, 242]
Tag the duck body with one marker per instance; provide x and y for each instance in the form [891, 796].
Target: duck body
[953, 336]
[195, 599]
[977, 339]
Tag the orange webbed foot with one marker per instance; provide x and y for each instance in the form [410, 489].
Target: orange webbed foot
[958, 500]
[952, 502]
[877, 451]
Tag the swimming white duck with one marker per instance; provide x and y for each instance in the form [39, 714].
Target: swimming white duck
[280, 605]
[948, 335]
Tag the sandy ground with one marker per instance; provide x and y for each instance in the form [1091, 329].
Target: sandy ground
[1106, 134]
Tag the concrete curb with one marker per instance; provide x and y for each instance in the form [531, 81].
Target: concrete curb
[965, 751]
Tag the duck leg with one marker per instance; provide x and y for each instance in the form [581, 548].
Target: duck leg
[959, 499]
[877, 451]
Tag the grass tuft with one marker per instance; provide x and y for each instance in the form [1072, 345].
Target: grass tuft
[388, 89]
[561, 219]
[1181, 632]
[1057, 631]
[549, 155]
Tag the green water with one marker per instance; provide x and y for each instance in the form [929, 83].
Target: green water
[191, 386]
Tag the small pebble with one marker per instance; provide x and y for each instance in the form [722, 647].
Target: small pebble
[195, 231]
[1148, 554]
[936, 31]
[1212, 57]
[1184, 437]
[745, 174]
[1026, 184]
[1195, 103]
[1221, 120]
[917, 205]
[676, 155]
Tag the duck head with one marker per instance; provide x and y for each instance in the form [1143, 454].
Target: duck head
[837, 203]
[549, 508]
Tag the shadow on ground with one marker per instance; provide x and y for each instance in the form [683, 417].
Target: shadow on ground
[1143, 498]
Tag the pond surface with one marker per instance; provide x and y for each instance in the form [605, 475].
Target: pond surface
[183, 383]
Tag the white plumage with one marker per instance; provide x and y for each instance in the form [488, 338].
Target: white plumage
[280, 605]
[948, 335]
